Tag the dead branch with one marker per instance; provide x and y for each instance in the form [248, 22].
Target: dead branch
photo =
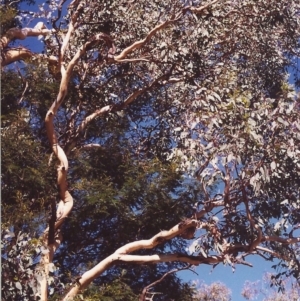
[145, 290]
[25, 83]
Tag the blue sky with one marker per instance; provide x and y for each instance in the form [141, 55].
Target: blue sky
[234, 280]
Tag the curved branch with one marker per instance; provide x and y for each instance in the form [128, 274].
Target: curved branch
[142, 42]
[114, 259]
[10, 55]
[198, 10]
[22, 33]
[21, 54]
[67, 37]
[66, 201]
[111, 108]
[121, 255]
[89, 45]
[92, 116]
[15, 54]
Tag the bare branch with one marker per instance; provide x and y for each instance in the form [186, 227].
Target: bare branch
[25, 82]
[89, 118]
[87, 46]
[91, 145]
[145, 290]
[133, 60]
[15, 54]
[66, 201]
[22, 54]
[141, 43]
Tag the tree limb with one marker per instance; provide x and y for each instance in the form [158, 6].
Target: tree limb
[258, 239]
[285, 241]
[114, 108]
[22, 33]
[142, 42]
[121, 255]
[145, 290]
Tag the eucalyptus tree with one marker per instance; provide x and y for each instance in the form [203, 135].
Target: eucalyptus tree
[203, 85]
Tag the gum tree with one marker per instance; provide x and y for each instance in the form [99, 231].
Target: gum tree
[205, 85]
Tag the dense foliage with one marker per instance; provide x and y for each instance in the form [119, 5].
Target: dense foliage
[156, 113]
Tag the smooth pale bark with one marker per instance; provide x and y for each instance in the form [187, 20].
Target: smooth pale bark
[22, 33]
[113, 259]
[22, 54]
[122, 255]
[285, 241]
[11, 55]
[66, 201]
[16, 54]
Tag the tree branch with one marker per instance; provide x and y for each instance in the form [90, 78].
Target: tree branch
[121, 255]
[112, 108]
[275, 254]
[258, 239]
[142, 42]
[285, 241]
[23, 33]
[145, 290]
[200, 9]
